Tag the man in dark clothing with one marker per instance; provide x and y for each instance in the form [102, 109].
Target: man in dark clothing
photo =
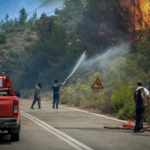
[56, 88]
[37, 96]
[139, 98]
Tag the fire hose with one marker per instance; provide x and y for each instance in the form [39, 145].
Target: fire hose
[76, 67]
[43, 109]
[128, 126]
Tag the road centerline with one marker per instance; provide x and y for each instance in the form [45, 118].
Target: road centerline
[71, 141]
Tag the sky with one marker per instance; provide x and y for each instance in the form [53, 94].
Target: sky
[12, 7]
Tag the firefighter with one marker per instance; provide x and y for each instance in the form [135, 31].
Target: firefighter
[37, 96]
[56, 88]
[139, 98]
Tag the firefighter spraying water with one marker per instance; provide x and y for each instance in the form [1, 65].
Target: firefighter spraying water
[56, 86]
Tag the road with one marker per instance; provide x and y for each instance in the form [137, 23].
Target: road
[70, 129]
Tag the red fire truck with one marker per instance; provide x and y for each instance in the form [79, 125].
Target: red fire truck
[9, 108]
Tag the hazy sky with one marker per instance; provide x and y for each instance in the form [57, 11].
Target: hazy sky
[12, 7]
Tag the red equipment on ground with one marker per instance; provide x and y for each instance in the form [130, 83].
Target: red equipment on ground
[128, 126]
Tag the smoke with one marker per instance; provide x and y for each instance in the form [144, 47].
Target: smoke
[103, 60]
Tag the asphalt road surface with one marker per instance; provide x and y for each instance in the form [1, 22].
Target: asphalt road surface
[71, 129]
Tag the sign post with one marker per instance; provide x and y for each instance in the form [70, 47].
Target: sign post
[97, 85]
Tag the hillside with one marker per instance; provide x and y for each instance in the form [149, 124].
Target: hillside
[13, 54]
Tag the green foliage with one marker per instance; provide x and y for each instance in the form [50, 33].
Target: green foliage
[6, 18]
[121, 97]
[10, 26]
[32, 20]
[85, 89]
[22, 17]
[69, 91]
[2, 38]
[128, 111]
[71, 15]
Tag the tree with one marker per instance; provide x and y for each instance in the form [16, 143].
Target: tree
[22, 17]
[2, 38]
[34, 16]
[6, 18]
[32, 20]
[43, 16]
[70, 15]
[1, 26]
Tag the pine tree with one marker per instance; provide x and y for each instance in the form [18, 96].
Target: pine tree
[32, 20]
[6, 18]
[22, 17]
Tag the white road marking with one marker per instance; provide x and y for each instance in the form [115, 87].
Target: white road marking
[73, 142]
[96, 114]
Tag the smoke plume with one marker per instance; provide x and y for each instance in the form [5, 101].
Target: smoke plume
[101, 59]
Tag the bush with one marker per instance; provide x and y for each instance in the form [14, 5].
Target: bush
[127, 112]
[76, 99]
[104, 105]
[66, 97]
[27, 94]
[63, 99]
[69, 91]
[121, 97]
[123, 103]
[85, 89]
[2, 38]
[90, 101]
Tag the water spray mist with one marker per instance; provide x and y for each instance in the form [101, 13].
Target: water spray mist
[78, 64]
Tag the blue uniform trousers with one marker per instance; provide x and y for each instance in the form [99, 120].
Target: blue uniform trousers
[55, 100]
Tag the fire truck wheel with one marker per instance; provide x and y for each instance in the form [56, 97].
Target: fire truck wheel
[15, 137]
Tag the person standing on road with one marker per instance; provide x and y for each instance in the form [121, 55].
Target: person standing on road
[56, 94]
[147, 96]
[139, 99]
[37, 96]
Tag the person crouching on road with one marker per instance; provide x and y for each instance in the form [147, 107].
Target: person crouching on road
[56, 95]
[37, 96]
[139, 98]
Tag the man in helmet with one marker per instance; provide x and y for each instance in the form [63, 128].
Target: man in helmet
[37, 96]
[56, 88]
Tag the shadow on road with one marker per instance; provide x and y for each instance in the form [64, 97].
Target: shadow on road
[80, 128]
[5, 139]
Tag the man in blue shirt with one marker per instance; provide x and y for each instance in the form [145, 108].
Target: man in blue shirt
[56, 88]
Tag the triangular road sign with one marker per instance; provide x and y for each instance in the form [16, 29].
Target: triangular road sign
[97, 84]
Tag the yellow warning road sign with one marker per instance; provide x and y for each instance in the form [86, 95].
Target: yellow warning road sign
[97, 84]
